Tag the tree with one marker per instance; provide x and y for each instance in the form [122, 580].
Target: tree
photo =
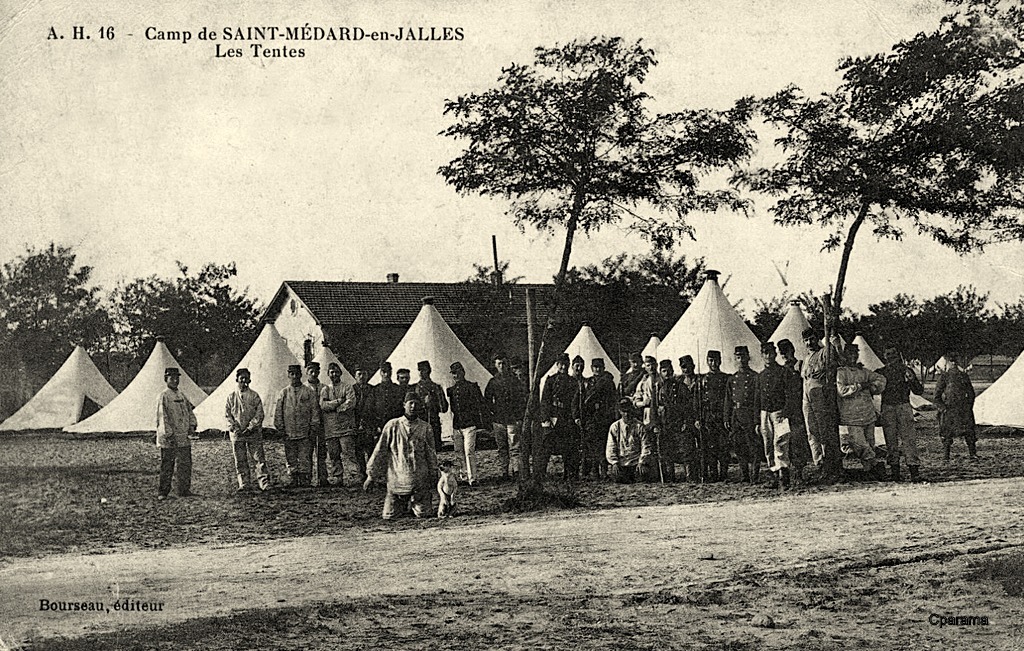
[207, 323]
[927, 137]
[894, 323]
[47, 306]
[569, 143]
[954, 321]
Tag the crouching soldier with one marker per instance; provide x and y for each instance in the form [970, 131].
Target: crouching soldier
[628, 450]
[244, 413]
[405, 456]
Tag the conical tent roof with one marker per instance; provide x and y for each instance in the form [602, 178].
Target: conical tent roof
[429, 338]
[1001, 404]
[651, 349]
[586, 345]
[710, 323]
[325, 357]
[865, 355]
[135, 409]
[59, 403]
[792, 327]
[268, 360]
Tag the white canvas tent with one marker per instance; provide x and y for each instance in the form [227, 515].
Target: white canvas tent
[865, 355]
[1001, 403]
[586, 345]
[792, 327]
[430, 338]
[63, 399]
[268, 360]
[135, 409]
[710, 323]
[325, 357]
[651, 349]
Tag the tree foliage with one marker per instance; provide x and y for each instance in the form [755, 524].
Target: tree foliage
[47, 306]
[207, 323]
[927, 137]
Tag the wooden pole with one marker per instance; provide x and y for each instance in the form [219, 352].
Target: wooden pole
[494, 250]
[530, 336]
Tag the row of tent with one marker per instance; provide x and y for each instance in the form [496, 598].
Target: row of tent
[710, 323]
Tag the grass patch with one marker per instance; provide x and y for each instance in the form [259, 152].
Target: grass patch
[536, 496]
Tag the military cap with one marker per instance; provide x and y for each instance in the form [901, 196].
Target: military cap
[333, 365]
[457, 366]
[563, 358]
[294, 368]
[742, 349]
[810, 333]
[411, 395]
[685, 360]
[665, 363]
[597, 361]
[635, 357]
[313, 366]
[626, 406]
[403, 371]
[242, 371]
[424, 364]
[578, 360]
[385, 366]
[786, 344]
[649, 358]
[767, 347]
[715, 354]
[171, 370]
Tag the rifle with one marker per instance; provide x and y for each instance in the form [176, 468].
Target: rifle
[656, 424]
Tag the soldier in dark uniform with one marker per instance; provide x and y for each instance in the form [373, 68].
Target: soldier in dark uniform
[799, 449]
[557, 422]
[632, 377]
[670, 420]
[434, 402]
[470, 414]
[954, 398]
[741, 412]
[597, 413]
[711, 421]
[773, 398]
[365, 415]
[389, 398]
[690, 448]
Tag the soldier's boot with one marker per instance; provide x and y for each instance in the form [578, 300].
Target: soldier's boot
[945, 450]
[894, 471]
[784, 478]
[972, 449]
[745, 469]
[914, 473]
[755, 473]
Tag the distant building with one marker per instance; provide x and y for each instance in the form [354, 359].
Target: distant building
[362, 322]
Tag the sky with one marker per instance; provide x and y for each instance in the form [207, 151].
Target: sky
[141, 152]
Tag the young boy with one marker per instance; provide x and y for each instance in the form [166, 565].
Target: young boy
[405, 455]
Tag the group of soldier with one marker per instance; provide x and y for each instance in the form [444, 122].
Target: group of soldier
[783, 417]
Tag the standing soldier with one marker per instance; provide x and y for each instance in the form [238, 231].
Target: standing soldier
[671, 420]
[365, 417]
[388, 398]
[244, 412]
[505, 396]
[897, 415]
[822, 439]
[799, 450]
[632, 377]
[557, 421]
[691, 446]
[337, 404]
[773, 389]
[434, 403]
[954, 397]
[318, 445]
[469, 416]
[597, 413]
[647, 398]
[711, 420]
[296, 415]
[175, 424]
[741, 412]
[576, 425]
[857, 416]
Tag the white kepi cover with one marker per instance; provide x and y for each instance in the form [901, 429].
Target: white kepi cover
[651, 349]
[1001, 403]
[792, 327]
[429, 338]
[710, 323]
[135, 409]
[59, 403]
[588, 347]
[268, 360]
[325, 357]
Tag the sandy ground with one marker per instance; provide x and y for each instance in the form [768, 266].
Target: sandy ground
[620, 553]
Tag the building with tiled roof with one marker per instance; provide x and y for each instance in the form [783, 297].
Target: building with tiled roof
[362, 322]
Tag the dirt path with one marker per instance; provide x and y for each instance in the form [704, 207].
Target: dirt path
[611, 552]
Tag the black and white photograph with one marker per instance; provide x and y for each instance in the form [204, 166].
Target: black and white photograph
[545, 324]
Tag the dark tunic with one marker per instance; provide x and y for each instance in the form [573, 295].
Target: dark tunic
[954, 396]
[468, 407]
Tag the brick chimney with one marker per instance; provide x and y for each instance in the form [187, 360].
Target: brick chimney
[392, 278]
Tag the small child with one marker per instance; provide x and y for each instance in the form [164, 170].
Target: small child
[447, 484]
